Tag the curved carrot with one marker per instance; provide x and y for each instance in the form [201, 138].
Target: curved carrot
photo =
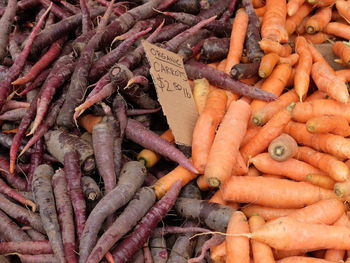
[338, 29]
[291, 59]
[267, 213]
[303, 69]
[283, 147]
[273, 26]
[342, 50]
[268, 46]
[317, 38]
[200, 93]
[294, 20]
[267, 64]
[319, 20]
[329, 123]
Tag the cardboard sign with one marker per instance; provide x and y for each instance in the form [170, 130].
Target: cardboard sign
[174, 93]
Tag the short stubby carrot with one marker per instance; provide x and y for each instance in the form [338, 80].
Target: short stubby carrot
[335, 145]
[200, 92]
[267, 213]
[335, 124]
[319, 20]
[293, 21]
[338, 29]
[267, 64]
[283, 147]
[272, 129]
[268, 46]
[263, 191]
[237, 247]
[205, 128]
[343, 8]
[291, 168]
[342, 50]
[227, 142]
[328, 82]
[291, 59]
[303, 69]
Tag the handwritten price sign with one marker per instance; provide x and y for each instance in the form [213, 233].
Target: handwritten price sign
[174, 93]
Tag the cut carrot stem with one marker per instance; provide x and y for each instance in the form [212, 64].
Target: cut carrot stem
[319, 20]
[293, 21]
[283, 147]
[329, 123]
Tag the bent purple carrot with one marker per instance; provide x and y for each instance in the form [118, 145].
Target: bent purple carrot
[12, 178]
[13, 115]
[6, 21]
[39, 80]
[36, 159]
[10, 231]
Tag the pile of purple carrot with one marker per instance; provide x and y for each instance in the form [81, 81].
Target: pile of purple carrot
[77, 104]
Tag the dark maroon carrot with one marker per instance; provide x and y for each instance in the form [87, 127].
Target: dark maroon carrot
[75, 189]
[170, 31]
[35, 235]
[21, 214]
[136, 132]
[58, 11]
[10, 231]
[65, 215]
[136, 209]
[214, 49]
[215, 240]
[12, 178]
[198, 70]
[188, 6]
[133, 112]
[159, 249]
[36, 159]
[131, 178]
[14, 194]
[72, 8]
[42, 258]
[128, 247]
[26, 247]
[216, 8]
[245, 71]
[13, 115]
[39, 80]
[90, 188]
[86, 20]
[57, 141]
[6, 21]
[44, 196]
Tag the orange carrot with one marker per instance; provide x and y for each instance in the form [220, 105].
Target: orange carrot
[301, 259]
[217, 198]
[343, 8]
[344, 73]
[317, 95]
[263, 191]
[303, 69]
[329, 143]
[251, 132]
[319, 20]
[283, 147]
[262, 253]
[328, 82]
[317, 56]
[226, 143]
[321, 3]
[329, 123]
[293, 6]
[342, 189]
[258, 3]
[302, 112]
[202, 183]
[260, 11]
[325, 162]
[88, 121]
[238, 33]
[317, 38]
[301, 27]
[268, 132]
[263, 115]
[291, 59]
[293, 21]
[205, 128]
[239, 166]
[267, 64]
[273, 25]
[342, 50]
[338, 29]
[291, 168]
[252, 171]
[269, 46]
[218, 253]
[237, 247]
[320, 180]
[275, 84]
[267, 213]
[200, 93]
[288, 254]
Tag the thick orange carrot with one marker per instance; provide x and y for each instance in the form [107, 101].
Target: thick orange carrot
[218, 253]
[267, 213]
[200, 93]
[227, 142]
[88, 121]
[293, 6]
[272, 129]
[332, 166]
[262, 253]
[317, 95]
[318, 57]
[342, 189]
[302, 259]
[344, 73]
[237, 248]
[291, 59]
[267, 64]
[338, 29]
[273, 25]
[258, 3]
[263, 115]
[268, 46]
[321, 3]
[342, 50]
[319, 20]
[239, 166]
[238, 33]
[320, 180]
[329, 143]
[263, 191]
[293, 21]
[302, 112]
[343, 8]
[217, 198]
[291, 168]
[317, 38]
[303, 69]
[202, 183]
[205, 128]
[329, 123]
[252, 171]
[260, 11]
[283, 147]
[275, 84]
[328, 82]
[251, 132]
[301, 27]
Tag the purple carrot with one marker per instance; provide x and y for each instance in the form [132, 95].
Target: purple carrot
[13, 47]
[13, 115]
[197, 70]
[44, 196]
[188, 6]
[10, 231]
[133, 112]
[13, 179]
[18, 64]
[136, 209]
[26, 247]
[14, 194]
[61, 71]
[127, 248]
[131, 178]
[138, 257]
[21, 214]
[147, 253]
[6, 21]
[136, 132]
[14, 104]
[39, 80]
[27, 4]
[215, 240]
[159, 249]
[58, 11]
[79, 79]
[90, 189]
[86, 19]
[245, 70]
[35, 160]
[214, 49]
[178, 230]
[217, 8]
[35, 235]
[72, 8]
[73, 176]
[65, 215]
[42, 258]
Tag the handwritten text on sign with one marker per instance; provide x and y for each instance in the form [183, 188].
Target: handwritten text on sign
[173, 90]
